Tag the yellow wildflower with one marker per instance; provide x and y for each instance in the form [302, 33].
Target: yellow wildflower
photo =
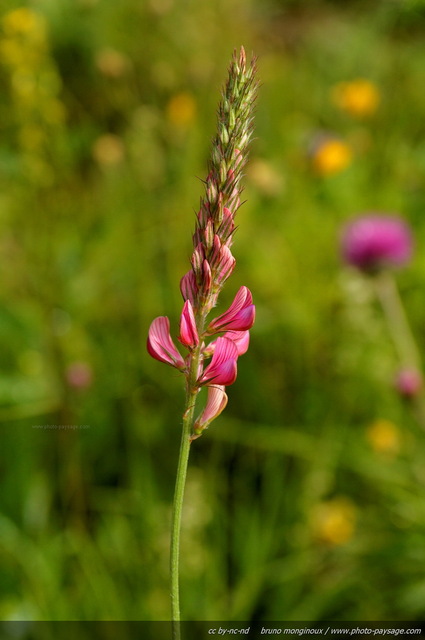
[112, 63]
[31, 137]
[384, 437]
[331, 156]
[360, 98]
[13, 53]
[108, 150]
[265, 177]
[54, 111]
[181, 109]
[22, 20]
[334, 520]
[31, 362]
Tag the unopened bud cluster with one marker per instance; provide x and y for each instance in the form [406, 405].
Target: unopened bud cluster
[212, 260]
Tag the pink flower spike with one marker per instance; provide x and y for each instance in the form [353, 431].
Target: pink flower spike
[222, 368]
[160, 345]
[240, 316]
[188, 331]
[216, 403]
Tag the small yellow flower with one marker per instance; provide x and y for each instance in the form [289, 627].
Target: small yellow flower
[334, 521]
[31, 362]
[36, 169]
[360, 98]
[384, 437]
[265, 177]
[54, 112]
[181, 109]
[23, 21]
[112, 63]
[331, 156]
[24, 84]
[108, 150]
[31, 137]
[12, 52]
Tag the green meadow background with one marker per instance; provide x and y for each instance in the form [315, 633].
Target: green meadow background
[305, 499]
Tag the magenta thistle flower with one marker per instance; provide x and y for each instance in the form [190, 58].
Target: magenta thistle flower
[240, 316]
[408, 382]
[161, 346]
[375, 241]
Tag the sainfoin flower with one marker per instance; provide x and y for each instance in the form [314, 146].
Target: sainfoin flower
[212, 262]
[375, 241]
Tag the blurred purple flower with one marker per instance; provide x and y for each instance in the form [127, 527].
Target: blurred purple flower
[79, 375]
[408, 382]
[374, 241]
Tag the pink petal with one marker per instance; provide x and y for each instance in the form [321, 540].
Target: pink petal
[222, 369]
[188, 287]
[188, 331]
[240, 339]
[160, 345]
[216, 402]
[240, 316]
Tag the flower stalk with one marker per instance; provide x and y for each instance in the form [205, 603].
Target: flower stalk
[376, 244]
[212, 263]
[409, 380]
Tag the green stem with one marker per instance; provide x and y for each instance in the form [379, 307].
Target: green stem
[398, 323]
[177, 516]
[191, 394]
[401, 332]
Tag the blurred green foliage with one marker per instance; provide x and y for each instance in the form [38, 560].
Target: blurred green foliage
[305, 499]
